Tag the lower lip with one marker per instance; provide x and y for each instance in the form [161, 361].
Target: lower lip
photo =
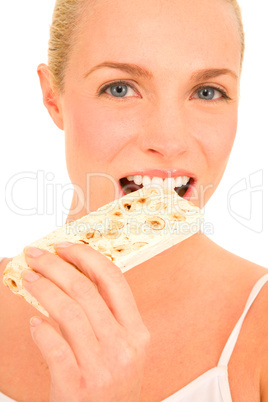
[187, 195]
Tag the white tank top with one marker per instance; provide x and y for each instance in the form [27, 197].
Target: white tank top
[213, 385]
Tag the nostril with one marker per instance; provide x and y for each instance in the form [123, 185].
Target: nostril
[167, 150]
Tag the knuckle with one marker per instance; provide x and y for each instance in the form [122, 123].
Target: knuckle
[127, 357]
[60, 354]
[116, 274]
[145, 338]
[103, 381]
[142, 337]
[71, 312]
[111, 275]
[127, 354]
[83, 287]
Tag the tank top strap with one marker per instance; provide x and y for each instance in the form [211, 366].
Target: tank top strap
[230, 344]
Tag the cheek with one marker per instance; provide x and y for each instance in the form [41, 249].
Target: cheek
[224, 138]
[215, 138]
[216, 135]
[93, 133]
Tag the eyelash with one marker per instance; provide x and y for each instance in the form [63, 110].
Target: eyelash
[120, 82]
[224, 93]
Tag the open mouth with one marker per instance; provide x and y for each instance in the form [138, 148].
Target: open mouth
[133, 183]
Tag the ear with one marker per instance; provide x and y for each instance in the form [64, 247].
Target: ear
[51, 99]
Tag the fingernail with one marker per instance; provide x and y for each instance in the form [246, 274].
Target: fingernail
[30, 276]
[35, 321]
[63, 244]
[33, 252]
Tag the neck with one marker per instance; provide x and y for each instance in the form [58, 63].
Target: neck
[159, 276]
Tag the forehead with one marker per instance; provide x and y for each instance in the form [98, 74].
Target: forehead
[169, 34]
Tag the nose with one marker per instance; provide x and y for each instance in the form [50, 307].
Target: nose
[165, 133]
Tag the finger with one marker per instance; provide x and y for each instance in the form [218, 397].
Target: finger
[57, 353]
[110, 281]
[78, 287]
[71, 318]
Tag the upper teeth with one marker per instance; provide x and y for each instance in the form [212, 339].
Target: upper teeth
[169, 182]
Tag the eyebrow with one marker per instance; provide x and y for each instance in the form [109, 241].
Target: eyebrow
[206, 74]
[134, 69]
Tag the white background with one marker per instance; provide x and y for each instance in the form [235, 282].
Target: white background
[30, 142]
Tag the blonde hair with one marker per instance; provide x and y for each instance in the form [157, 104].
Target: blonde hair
[238, 14]
[64, 31]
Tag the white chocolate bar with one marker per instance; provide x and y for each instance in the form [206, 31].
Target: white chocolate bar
[128, 231]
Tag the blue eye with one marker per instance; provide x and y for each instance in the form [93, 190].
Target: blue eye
[118, 89]
[122, 89]
[210, 93]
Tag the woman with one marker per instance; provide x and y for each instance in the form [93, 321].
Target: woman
[141, 88]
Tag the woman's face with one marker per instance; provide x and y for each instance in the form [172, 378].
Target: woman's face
[176, 111]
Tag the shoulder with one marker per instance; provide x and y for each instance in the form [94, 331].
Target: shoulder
[250, 356]
[252, 346]
[17, 348]
[258, 333]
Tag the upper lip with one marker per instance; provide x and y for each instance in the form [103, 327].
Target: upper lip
[163, 173]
